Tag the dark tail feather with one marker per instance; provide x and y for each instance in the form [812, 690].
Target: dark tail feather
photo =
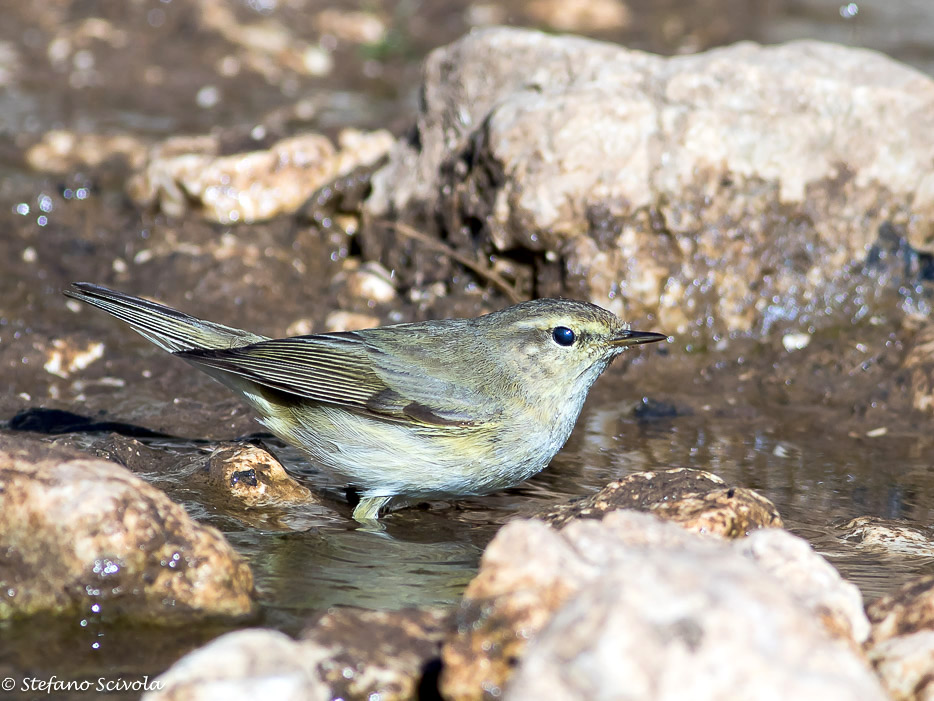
[168, 328]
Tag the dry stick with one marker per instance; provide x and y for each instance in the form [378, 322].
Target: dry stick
[473, 265]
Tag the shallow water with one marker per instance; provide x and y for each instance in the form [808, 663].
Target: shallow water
[813, 462]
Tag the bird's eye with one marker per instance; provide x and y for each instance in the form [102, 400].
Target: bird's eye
[563, 336]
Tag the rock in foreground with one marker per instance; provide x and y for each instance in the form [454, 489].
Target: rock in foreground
[86, 535]
[901, 646]
[389, 655]
[347, 653]
[256, 663]
[633, 602]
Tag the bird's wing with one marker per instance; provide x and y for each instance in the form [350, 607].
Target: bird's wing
[343, 370]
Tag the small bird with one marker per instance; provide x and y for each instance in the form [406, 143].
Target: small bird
[433, 409]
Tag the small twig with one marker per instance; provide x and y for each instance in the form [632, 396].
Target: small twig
[441, 247]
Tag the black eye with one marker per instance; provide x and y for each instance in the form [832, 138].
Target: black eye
[563, 336]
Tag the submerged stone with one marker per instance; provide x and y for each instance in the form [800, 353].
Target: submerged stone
[696, 500]
[889, 535]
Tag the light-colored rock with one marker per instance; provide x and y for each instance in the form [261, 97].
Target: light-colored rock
[633, 602]
[901, 644]
[353, 26]
[888, 535]
[696, 500]
[349, 321]
[905, 664]
[664, 631]
[254, 477]
[580, 15]
[62, 151]
[526, 574]
[728, 191]
[81, 534]
[346, 653]
[364, 654]
[811, 580]
[68, 355]
[253, 186]
[371, 283]
[247, 664]
[905, 611]
[268, 47]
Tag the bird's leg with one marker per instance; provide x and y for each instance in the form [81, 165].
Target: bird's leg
[367, 511]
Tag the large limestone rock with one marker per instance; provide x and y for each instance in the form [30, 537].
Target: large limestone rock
[733, 190]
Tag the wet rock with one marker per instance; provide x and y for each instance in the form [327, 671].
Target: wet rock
[349, 321]
[889, 535]
[253, 186]
[81, 534]
[134, 455]
[811, 580]
[369, 283]
[908, 610]
[62, 151]
[65, 356]
[240, 480]
[736, 619]
[352, 26]
[346, 653]
[901, 646]
[734, 189]
[696, 500]
[388, 655]
[254, 477]
[247, 664]
[249, 484]
[580, 16]
[269, 47]
[904, 665]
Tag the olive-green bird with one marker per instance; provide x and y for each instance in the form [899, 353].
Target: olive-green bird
[413, 411]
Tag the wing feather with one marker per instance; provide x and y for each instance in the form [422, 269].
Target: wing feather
[343, 370]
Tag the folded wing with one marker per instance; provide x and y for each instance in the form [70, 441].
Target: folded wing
[344, 370]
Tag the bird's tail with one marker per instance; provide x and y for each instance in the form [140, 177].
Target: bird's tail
[168, 328]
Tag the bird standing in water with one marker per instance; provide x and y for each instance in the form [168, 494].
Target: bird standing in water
[432, 409]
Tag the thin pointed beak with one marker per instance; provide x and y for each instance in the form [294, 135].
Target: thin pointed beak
[635, 338]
